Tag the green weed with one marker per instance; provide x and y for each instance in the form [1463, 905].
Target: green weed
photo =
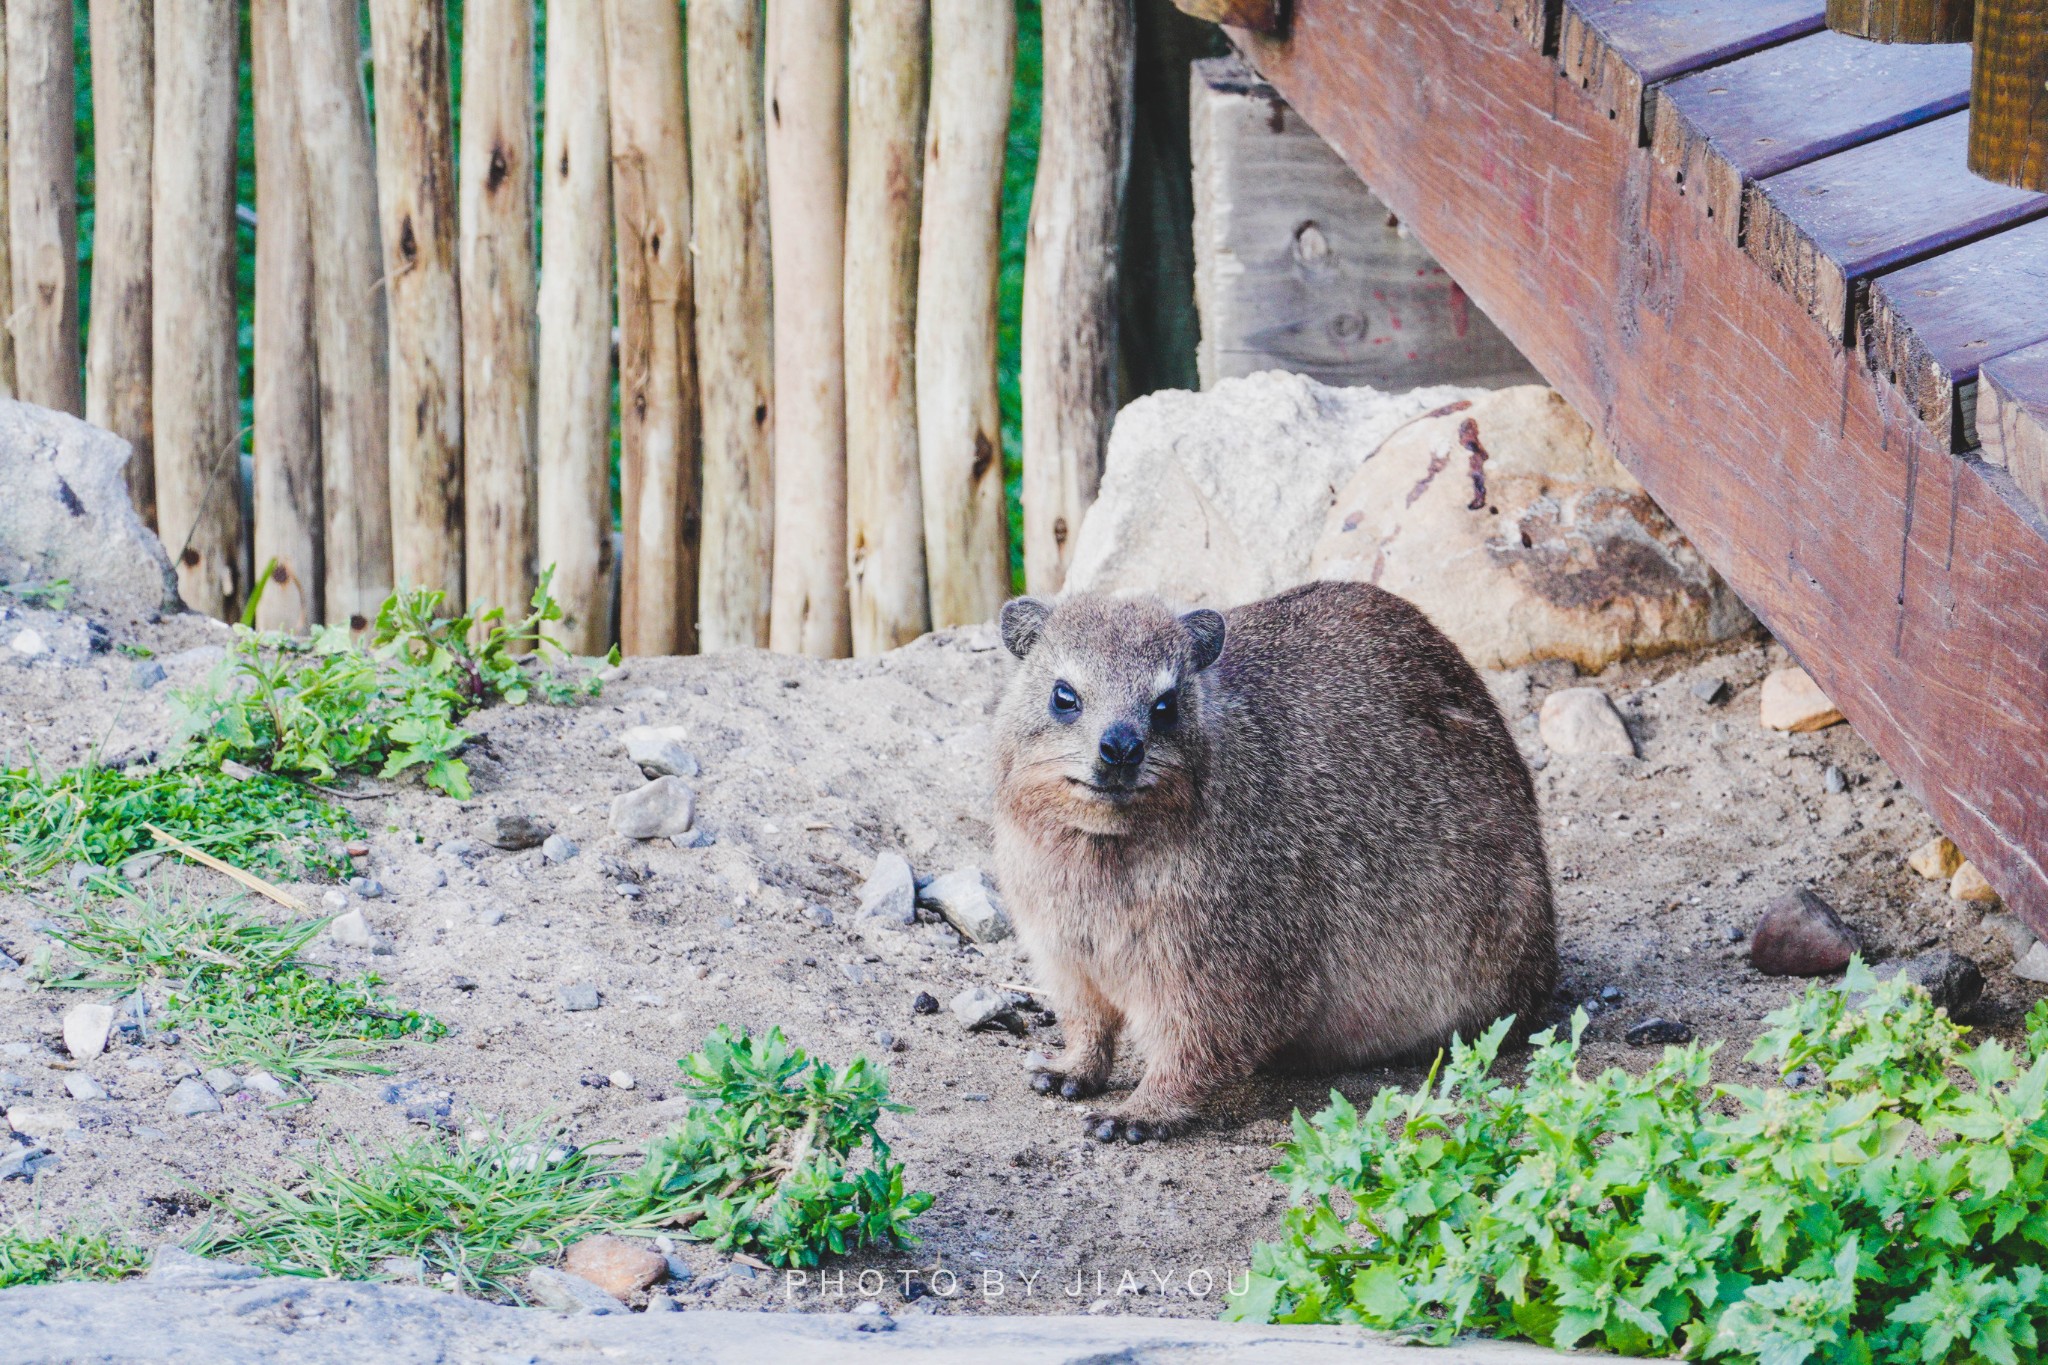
[770, 1161]
[239, 986]
[484, 1208]
[97, 815]
[1894, 1209]
[334, 704]
[69, 1254]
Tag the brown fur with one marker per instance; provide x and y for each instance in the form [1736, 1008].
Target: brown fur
[1333, 859]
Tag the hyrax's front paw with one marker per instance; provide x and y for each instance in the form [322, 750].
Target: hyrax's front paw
[1133, 1128]
[1066, 1084]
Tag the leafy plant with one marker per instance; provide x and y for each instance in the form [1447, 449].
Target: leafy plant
[55, 594]
[99, 815]
[1896, 1209]
[483, 1207]
[332, 704]
[240, 987]
[68, 1254]
[770, 1158]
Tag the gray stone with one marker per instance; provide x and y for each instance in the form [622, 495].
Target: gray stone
[663, 809]
[1801, 935]
[2019, 939]
[1711, 691]
[191, 1097]
[890, 892]
[659, 751]
[84, 1087]
[491, 917]
[558, 848]
[1581, 720]
[978, 1006]
[1659, 1033]
[67, 515]
[1832, 780]
[147, 673]
[819, 915]
[173, 1265]
[661, 1303]
[264, 1085]
[28, 643]
[22, 1163]
[578, 998]
[369, 888]
[1951, 980]
[517, 831]
[223, 1081]
[569, 1293]
[2033, 964]
[201, 1317]
[967, 901]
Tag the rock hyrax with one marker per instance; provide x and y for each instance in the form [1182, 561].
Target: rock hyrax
[1294, 835]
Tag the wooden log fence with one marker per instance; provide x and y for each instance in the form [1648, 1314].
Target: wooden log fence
[764, 281]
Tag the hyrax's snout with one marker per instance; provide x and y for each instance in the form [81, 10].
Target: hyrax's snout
[1121, 753]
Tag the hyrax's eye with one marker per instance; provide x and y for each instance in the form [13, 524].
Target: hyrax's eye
[1066, 702]
[1166, 711]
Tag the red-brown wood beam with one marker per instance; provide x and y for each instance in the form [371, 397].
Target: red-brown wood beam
[1912, 583]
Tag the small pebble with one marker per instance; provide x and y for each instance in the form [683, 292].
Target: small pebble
[191, 1098]
[558, 848]
[622, 1080]
[819, 915]
[491, 917]
[1659, 1033]
[1832, 779]
[334, 899]
[147, 673]
[517, 831]
[926, 1003]
[1711, 691]
[369, 888]
[578, 998]
[84, 1087]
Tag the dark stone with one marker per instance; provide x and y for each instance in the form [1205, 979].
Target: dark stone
[1801, 935]
[1659, 1032]
[1949, 978]
[517, 831]
[926, 1003]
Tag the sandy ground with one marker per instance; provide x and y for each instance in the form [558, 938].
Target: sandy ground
[809, 770]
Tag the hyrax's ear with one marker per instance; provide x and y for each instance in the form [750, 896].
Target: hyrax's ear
[1023, 622]
[1205, 636]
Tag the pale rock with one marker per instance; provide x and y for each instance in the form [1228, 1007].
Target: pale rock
[1937, 859]
[966, 900]
[67, 515]
[558, 848]
[192, 1097]
[577, 998]
[1581, 720]
[664, 808]
[1512, 526]
[890, 892]
[566, 1293]
[222, 1080]
[1793, 701]
[1969, 884]
[658, 751]
[27, 643]
[622, 1080]
[619, 1267]
[264, 1084]
[2033, 964]
[84, 1087]
[1213, 498]
[979, 1005]
[86, 1028]
[352, 930]
[39, 1124]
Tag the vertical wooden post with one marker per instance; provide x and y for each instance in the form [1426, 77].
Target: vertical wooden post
[1902, 21]
[498, 303]
[807, 231]
[884, 168]
[2008, 107]
[573, 403]
[287, 435]
[1069, 340]
[348, 308]
[658, 469]
[42, 203]
[198, 398]
[117, 362]
[735, 346]
[416, 193]
[959, 425]
[7, 385]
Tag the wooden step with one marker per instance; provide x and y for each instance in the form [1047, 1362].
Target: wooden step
[2012, 419]
[1614, 50]
[1825, 228]
[1717, 130]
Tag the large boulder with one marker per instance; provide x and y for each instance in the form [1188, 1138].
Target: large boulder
[1512, 525]
[67, 515]
[1215, 498]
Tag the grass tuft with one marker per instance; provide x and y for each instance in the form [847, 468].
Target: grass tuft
[67, 1254]
[240, 987]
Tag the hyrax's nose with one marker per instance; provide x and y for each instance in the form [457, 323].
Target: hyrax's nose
[1123, 745]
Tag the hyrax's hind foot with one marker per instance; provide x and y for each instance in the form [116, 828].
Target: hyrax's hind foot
[1067, 1085]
